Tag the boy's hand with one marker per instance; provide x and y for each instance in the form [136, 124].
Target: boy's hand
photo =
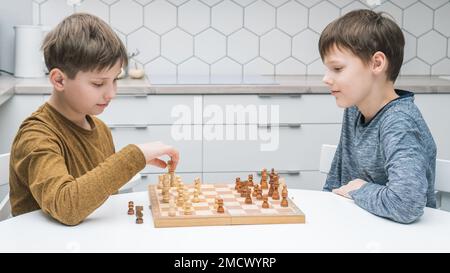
[153, 150]
[351, 186]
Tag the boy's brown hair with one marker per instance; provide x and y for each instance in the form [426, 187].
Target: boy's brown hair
[365, 32]
[83, 42]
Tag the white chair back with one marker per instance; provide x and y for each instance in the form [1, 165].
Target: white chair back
[442, 178]
[326, 157]
[5, 206]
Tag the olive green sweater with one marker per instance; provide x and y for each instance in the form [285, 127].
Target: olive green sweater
[65, 170]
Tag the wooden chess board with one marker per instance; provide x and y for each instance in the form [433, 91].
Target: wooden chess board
[236, 211]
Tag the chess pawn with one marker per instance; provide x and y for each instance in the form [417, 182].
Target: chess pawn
[130, 208]
[196, 198]
[180, 198]
[259, 194]
[220, 208]
[187, 208]
[238, 184]
[248, 199]
[255, 190]
[265, 204]
[216, 203]
[250, 180]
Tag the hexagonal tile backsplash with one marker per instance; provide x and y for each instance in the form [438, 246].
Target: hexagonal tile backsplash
[179, 38]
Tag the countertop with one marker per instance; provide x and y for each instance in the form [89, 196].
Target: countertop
[333, 224]
[222, 85]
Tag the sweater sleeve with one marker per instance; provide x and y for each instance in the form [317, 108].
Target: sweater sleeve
[403, 198]
[69, 199]
[334, 175]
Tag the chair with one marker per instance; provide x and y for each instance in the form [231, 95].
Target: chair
[442, 179]
[5, 206]
[326, 157]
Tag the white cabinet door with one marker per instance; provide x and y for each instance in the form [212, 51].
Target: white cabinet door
[12, 113]
[262, 109]
[307, 180]
[189, 149]
[435, 109]
[294, 149]
[170, 109]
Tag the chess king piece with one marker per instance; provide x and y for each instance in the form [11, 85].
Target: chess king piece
[220, 208]
[130, 208]
[263, 183]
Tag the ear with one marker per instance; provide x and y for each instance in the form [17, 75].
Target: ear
[58, 79]
[379, 62]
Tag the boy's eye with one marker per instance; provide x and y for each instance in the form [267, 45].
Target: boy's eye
[337, 69]
[97, 84]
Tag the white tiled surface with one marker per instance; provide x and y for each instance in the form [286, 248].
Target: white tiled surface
[229, 37]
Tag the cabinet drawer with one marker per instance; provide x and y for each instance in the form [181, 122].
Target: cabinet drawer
[307, 180]
[291, 108]
[153, 109]
[126, 109]
[190, 150]
[298, 149]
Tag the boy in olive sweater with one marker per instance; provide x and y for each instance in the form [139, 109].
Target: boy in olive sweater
[63, 159]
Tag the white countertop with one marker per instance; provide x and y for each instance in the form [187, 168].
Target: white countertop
[333, 224]
[228, 85]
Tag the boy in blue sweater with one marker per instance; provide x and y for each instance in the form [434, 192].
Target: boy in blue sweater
[386, 157]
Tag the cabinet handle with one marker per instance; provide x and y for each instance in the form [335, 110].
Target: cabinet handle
[288, 172]
[134, 95]
[290, 125]
[135, 126]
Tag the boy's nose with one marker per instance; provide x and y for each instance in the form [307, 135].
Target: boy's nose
[326, 79]
[111, 93]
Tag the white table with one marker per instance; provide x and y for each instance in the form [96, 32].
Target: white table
[333, 224]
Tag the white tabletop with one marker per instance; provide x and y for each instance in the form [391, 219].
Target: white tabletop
[333, 224]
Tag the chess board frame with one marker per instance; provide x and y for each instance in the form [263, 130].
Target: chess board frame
[294, 215]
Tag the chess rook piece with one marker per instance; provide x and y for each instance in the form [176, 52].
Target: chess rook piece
[139, 215]
[130, 208]
[265, 204]
[220, 208]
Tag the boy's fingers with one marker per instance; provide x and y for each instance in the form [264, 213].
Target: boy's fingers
[174, 156]
[158, 163]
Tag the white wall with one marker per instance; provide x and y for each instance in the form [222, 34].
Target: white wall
[17, 12]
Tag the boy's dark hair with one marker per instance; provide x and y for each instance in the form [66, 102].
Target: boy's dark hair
[83, 42]
[365, 32]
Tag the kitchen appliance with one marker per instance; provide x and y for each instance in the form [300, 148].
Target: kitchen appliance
[29, 61]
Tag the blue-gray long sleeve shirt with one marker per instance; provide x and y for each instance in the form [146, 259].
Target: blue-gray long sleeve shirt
[395, 153]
